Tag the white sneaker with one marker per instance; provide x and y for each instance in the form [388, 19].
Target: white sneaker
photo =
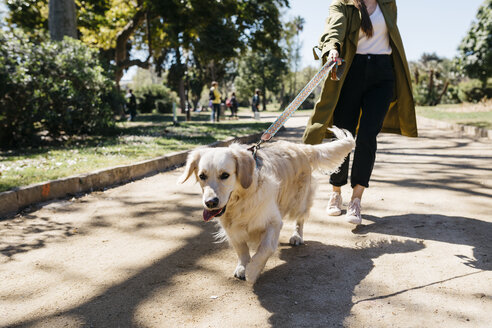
[353, 212]
[334, 207]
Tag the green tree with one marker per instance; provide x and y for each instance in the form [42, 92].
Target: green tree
[262, 71]
[114, 26]
[30, 15]
[432, 77]
[295, 27]
[191, 39]
[205, 35]
[54, 88]
[476, 48]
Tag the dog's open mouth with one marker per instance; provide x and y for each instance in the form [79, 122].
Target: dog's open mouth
[209, 215]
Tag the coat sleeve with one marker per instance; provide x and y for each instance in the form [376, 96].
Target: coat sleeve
[335, 29]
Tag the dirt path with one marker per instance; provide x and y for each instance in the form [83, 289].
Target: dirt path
[139, 255]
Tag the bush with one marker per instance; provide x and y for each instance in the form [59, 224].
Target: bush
[155, 96]
[51, 88]
[473, 91]
[451, 96]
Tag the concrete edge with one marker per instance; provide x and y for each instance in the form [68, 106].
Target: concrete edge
[469, 130]
[13, 201]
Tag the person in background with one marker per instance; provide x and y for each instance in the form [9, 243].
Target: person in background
[215, 97]
[234, 105]
[255, 103]
[374, 92]
[132, 105]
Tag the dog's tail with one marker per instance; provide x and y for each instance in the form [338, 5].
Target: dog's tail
[329, 156]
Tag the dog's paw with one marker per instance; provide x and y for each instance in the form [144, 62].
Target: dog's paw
[240, 272]
[252, 273]
[296, 239]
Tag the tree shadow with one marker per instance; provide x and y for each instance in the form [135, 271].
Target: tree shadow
[116, 306]
[449, 229]
[314, 288]
[29, 233]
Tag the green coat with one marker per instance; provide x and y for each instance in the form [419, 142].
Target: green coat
[342, 33]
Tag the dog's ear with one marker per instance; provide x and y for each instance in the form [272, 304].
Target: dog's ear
[191, 165]
[245, 165]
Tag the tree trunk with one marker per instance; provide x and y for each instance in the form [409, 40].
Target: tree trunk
[62, 19]
[282, 96]
[431, 81]
[212, 71]
[181, 81]
[263, 97]
[120, 53]
[446, 85]
[417, 76]
[182, 96]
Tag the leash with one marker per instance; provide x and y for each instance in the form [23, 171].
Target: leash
[329, 66]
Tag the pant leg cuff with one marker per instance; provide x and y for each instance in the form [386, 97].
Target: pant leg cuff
[363, 184]
[338, 184]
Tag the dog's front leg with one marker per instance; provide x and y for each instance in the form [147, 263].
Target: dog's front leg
[242, 251]
[267, 247]
[296, 238]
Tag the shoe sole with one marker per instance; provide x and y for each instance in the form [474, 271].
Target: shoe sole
[334, 212]
[354, 220]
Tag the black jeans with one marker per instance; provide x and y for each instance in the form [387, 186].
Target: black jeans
[369, 86]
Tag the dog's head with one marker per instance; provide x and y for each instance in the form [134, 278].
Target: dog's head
[219, 171]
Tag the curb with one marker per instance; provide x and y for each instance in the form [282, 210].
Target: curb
[472, 131]
[13, 201]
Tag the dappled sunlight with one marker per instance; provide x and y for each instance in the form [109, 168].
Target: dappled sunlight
[154, 239]
[319, 281]
[140, 254]
[446, 229]
[30, 232]
[427, 303]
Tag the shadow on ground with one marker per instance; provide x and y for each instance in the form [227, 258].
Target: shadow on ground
[32, 232]
[116, 306]
[316, 285]
[448, 229]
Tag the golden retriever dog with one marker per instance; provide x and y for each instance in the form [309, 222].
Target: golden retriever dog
[251, 197]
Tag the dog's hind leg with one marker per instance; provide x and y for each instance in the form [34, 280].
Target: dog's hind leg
[267, 247]
[296, 238]
[242, 251]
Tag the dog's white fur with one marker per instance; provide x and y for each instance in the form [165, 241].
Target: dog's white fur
[259, 196]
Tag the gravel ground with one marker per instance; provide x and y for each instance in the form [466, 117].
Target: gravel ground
[139, 255]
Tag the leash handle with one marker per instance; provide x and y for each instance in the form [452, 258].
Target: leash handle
[329, 66]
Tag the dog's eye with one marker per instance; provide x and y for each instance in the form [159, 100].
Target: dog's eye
[224, 176]
[203, 176]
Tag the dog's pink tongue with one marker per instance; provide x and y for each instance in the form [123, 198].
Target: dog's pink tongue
[209, 215]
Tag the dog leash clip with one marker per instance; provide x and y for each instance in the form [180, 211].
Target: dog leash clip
[254, 149]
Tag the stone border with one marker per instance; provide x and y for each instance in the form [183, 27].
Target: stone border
[466, 129]
[13, 201]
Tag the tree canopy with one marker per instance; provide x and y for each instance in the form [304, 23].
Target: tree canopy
[476, 48]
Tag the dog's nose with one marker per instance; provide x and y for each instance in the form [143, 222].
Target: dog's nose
[213, 202]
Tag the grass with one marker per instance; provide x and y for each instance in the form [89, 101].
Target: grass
[150, 136]
[479, 115]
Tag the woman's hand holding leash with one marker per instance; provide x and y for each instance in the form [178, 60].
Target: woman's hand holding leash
[333, 56]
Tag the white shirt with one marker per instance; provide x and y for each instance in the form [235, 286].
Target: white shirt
[379, 43]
